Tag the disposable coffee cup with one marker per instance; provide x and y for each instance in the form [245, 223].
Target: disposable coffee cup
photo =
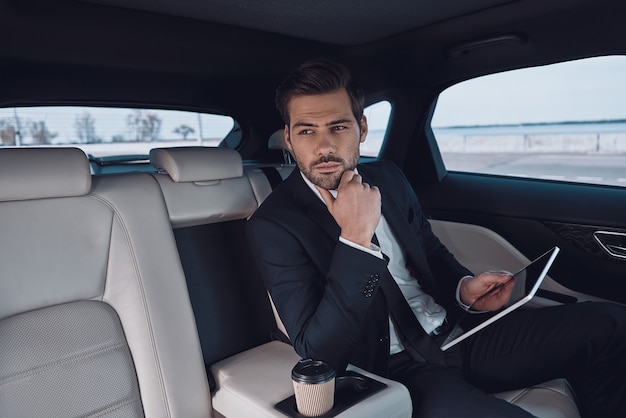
[314, 386]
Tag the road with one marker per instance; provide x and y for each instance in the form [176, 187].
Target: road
[609, 169]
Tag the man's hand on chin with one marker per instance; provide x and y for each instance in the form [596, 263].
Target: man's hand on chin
[356, 208]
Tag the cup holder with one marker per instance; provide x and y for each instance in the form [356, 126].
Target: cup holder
[350, 388]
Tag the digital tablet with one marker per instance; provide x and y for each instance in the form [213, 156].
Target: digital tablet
[527, 282]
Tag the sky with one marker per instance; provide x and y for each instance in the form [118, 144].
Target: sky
[581, 90]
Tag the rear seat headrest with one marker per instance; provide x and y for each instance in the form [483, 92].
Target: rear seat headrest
[39, 173]
[189, 164]
[277, 141]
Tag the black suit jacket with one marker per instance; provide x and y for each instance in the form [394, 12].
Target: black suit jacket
[319, 284]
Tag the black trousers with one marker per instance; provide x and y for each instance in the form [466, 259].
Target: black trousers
[584, 343]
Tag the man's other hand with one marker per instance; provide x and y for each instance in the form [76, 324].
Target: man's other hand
[488, 291]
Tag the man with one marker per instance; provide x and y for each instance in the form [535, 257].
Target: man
[336, 241]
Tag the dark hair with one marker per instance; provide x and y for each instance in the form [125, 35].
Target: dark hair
[315, 77]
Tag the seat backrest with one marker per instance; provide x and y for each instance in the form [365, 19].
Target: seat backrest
[278, 141]
[94, 312]
[209, 198]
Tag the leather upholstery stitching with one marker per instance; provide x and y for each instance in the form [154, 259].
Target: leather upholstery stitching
[74, 358]
[108, 410]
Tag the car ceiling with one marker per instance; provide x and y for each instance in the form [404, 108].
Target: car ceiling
[336, 22]
[400, 40]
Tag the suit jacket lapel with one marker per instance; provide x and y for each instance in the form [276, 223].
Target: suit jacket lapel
[314, 206]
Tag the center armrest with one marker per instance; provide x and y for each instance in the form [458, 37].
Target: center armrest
[251, 383]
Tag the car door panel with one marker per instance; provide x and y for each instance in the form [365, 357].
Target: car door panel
[534, 215]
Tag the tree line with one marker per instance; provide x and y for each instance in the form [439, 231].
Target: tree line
[141, 126]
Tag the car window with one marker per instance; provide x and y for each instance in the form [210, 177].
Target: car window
[377, 115]
[102, 132]
[564, 121]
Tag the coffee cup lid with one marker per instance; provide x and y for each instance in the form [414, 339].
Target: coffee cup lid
[311, 371]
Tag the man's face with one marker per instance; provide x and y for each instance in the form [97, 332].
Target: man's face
[324, 136]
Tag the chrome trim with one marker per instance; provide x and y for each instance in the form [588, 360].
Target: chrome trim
[612, 243]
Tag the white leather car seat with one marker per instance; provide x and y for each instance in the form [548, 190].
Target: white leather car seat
[278, 142]
[95, 318]
[210, 196]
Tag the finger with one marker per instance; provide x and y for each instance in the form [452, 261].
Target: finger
[356, 178]
[504, 295]
[509, 285]
[504, 280]
[502, 292]
[348, 175]
[497, 277]
[374, 189]
[502, 274]
[326, 196]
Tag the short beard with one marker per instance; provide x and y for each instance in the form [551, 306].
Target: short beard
[328, 181]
